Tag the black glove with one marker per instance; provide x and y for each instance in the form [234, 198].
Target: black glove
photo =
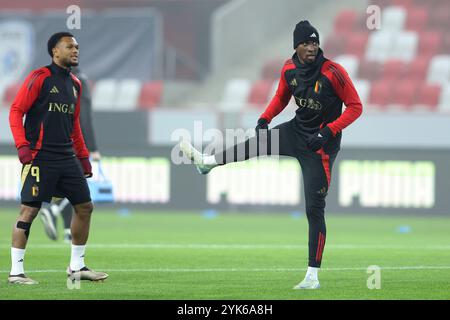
[263, 124]
[318, 140]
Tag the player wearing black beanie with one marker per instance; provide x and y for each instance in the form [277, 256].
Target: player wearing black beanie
[320, 87]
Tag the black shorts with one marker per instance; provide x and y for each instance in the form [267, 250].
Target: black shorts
[43, 180]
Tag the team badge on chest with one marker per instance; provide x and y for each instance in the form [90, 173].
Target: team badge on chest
[318, 86]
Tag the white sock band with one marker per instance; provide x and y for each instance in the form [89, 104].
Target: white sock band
[77, 257]
[312, 273]
[17, 256]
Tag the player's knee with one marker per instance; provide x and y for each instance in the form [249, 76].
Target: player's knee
[84, 209]
[28, 214]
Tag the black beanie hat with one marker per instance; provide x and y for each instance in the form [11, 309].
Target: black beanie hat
[54, 39]
[305, 32]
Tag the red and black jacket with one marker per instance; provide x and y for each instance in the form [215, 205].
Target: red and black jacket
[50, 99]
[320, 104]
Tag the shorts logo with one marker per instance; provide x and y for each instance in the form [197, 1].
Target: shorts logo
[54, 90]
[35, 191]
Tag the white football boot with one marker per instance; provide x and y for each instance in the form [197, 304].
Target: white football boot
[21, 279]
[196, 157]
[86, 274]
[308, 283]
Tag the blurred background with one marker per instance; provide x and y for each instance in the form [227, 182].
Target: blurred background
[156, 66]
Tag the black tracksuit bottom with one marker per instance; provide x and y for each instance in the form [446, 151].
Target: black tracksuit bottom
[285, 140]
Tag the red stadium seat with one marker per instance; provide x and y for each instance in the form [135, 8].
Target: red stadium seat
[429, 43]
[10, 94]
[380, 93]
[356, 43]
[417, 69]
[417, 18]
[428, 95]
[151, 94]
[392, 69]
[345, 21]
[404, 92]
[369, 70]
[259, 93]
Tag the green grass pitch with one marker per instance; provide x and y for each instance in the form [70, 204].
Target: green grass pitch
[183, 255]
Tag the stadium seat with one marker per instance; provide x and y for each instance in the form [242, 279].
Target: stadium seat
[380, 93]
[429, 43]
[104, 96]
[416, 69]
[392, 69]
[444, 99]
[259, 93]
[357, 43]
[379, 46]
[151, 94]
[345, 21]
[128, 92]
[417, 19]
[350, 64]
[404, 46]
[235, 95]
[404, 93]
[428, 95]
[363, 88]
[370, 70]
[393, 18]
[439, 70]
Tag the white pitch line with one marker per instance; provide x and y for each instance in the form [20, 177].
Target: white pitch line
[193, 270]
[233, 246]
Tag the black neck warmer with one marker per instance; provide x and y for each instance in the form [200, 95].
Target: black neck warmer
[308, 73]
